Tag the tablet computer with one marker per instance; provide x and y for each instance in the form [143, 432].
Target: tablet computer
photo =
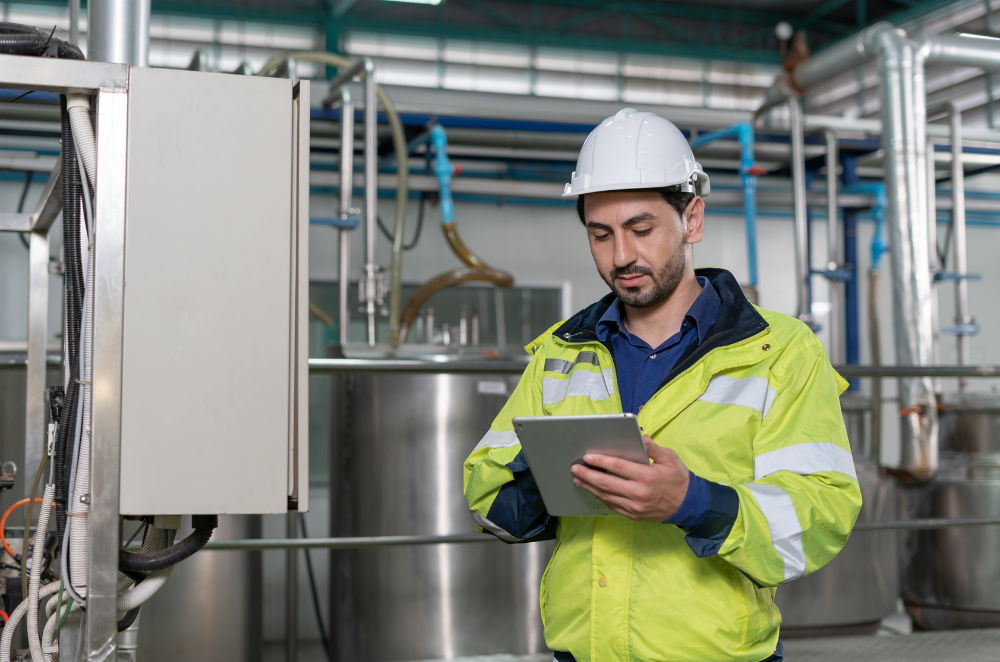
[552, 444]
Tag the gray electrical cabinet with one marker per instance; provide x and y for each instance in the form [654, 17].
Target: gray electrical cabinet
[214, 346]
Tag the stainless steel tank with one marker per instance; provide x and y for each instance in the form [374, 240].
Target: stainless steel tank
[950, 580]
[859, 587]
[398, 446]
[211, 607]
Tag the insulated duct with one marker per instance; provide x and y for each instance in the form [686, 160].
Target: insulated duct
[900, 63]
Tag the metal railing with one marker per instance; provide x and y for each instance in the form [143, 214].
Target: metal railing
[364, 542]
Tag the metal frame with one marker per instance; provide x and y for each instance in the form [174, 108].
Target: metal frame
[371, 284]
[110, 83]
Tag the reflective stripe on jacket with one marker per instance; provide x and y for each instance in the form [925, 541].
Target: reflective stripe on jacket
[754, 410]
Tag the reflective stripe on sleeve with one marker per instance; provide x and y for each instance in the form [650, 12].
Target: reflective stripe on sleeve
[493, 528]
[805, 459]
[495, 439]
[786, 533]
[565, 367]
[750, 392]
[594, 385]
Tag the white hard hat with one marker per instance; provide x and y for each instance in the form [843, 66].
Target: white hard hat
[636, 150]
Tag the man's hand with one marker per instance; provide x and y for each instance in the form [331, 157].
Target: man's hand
[650, 493]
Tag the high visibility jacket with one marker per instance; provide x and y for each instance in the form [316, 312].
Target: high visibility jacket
[754, 410]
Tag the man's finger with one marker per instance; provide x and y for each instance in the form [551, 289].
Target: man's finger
[607, 482]
[619, 467]
[617, 503]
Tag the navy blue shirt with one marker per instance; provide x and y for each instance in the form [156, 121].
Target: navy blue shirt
[641, 370]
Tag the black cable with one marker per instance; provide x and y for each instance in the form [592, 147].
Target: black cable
[29, 175]
[18, 39]
[164, 558]
[315, 594]
[72, 189]
[128, 619]
[416, 234]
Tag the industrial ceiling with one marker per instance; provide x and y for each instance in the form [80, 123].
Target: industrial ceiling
[742, 30]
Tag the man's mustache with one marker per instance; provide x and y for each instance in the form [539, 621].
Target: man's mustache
[630, 270]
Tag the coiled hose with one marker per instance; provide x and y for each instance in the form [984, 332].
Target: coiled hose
[475, 268]
[18, 39]
[165, 558]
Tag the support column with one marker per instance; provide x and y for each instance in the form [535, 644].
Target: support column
[35, 418]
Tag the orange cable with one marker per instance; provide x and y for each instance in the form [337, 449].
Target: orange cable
[3, 522]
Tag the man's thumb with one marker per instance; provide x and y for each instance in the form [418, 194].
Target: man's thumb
[655, 452]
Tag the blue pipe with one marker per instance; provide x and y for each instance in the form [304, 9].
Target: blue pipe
[444, 170]
[748, 174]
[852, 322]
[879, 242]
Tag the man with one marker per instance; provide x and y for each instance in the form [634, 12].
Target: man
[751, 482]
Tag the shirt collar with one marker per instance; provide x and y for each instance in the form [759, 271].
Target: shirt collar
[702, 313]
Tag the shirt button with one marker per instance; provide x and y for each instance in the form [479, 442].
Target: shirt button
[602, 582]
[652, 356]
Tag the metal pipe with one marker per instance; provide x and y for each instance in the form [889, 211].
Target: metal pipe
[509, 367]
[903, 122]
[346, 190]
[925, 524]
[832, 242]
[801, 218]
[399, 541]
[962, 317]
[74, 22]
[963, 51]
[345, 77]
[371, 198]
[933, 258]
[918, 371]
[291, 589]
[416, 366]
[346, 543]
[118, 31]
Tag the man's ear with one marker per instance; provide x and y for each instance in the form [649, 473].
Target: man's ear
[694, 219]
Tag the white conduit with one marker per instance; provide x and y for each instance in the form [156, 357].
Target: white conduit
[144, 590]
[79, 537]
[35, 578]
[78, 106]
[48, 634]
[17, 615]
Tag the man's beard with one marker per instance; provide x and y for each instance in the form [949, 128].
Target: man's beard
[664, 282]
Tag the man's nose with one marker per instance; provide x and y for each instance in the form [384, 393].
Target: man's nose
[624, 250]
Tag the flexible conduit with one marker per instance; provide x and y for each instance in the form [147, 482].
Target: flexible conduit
[15, 617]
[36, 572]
[78, 108]
[402, 172]
[476, 270]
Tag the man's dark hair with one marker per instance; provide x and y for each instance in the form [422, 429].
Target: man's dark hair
[676, 199]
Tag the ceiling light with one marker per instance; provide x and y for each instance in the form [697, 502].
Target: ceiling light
[419, 2]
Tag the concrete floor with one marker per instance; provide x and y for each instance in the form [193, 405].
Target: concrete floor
[964, 645]
[888, 645]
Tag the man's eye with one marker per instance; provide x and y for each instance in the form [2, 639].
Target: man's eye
[642, 233]
[601, 237]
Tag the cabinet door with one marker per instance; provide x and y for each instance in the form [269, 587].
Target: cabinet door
[211, 307]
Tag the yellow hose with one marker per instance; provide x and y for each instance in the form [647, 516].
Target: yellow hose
[402, 173]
